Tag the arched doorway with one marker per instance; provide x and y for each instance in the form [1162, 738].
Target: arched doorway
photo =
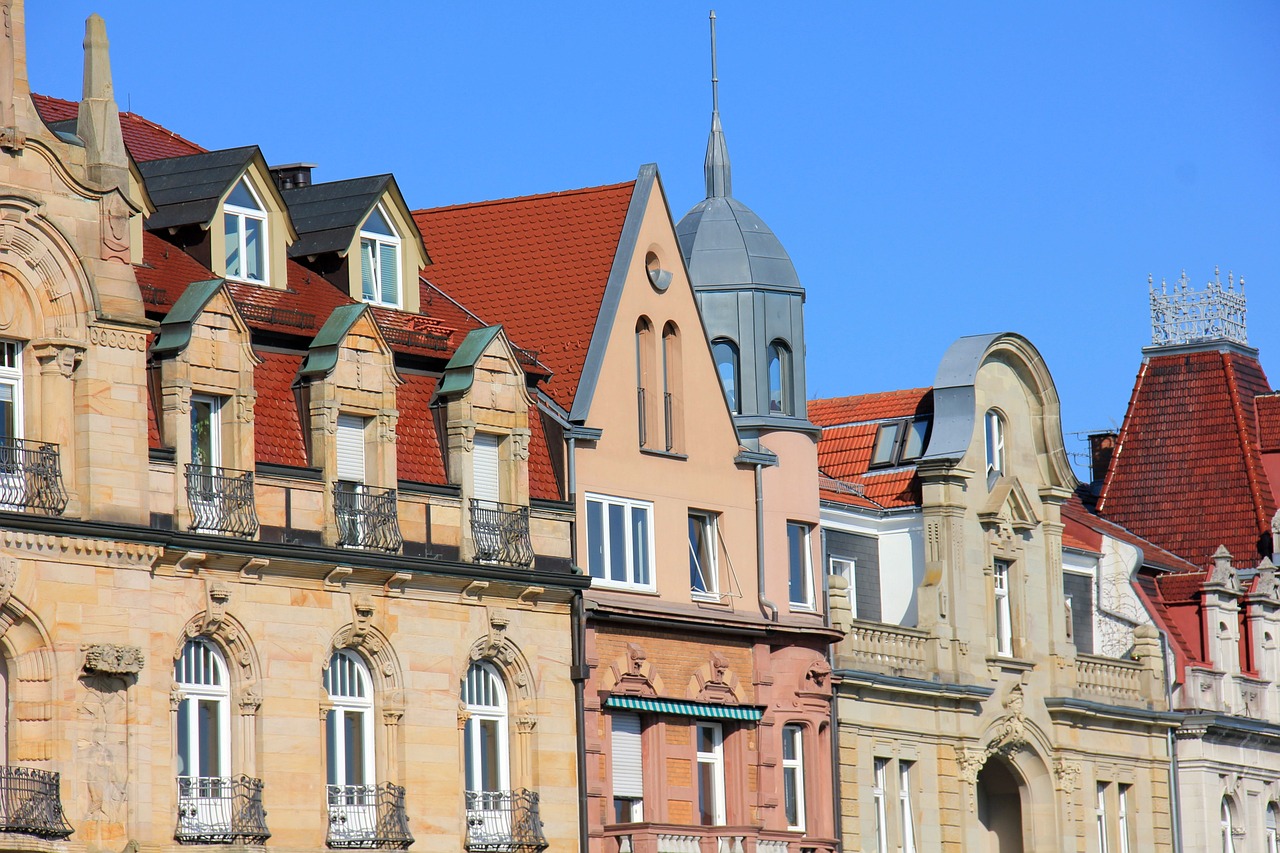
[1000, 807]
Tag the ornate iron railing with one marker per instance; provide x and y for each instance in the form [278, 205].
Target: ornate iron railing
[501, 532]
[31, 802]
[366, 516]
[221, 500]
[220, 810]
[368, 816]
[31, 476]
[504, 822]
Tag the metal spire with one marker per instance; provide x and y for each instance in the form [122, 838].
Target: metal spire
[716, 166]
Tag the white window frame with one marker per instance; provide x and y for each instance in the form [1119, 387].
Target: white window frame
[630, 507]
[193, 693]
[1100, 814]
[245, 213]
[846, 567]
[993, 429]
[879, 803]
[1122, 816]
[342, 666]
[806, 568]
[1272, 817]
[622, 739]
[906, 812]
[714, 760]
[11, 376]
[1000, 580]
[215, 427]
[1228, 839]
[710, 573]
[378, 241]
[793, 774]
[476, 712]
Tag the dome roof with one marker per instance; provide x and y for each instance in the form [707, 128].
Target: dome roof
[725, 243]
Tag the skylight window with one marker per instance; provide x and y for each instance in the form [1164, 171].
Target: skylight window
[899, 442]
[379, 260]
[245, 232]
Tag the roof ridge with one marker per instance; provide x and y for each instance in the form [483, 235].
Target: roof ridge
[1120, 439]
[520, 198]
[869, 394]
[1252, 462]
[161, 127]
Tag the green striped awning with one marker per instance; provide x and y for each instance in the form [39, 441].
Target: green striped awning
[686, 709]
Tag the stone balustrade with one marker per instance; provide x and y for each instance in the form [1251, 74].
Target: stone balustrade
[884, 648]
[1111, 679]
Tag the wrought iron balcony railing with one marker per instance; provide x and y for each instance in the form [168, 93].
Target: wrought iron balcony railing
[31, 476]
[221, 500]
[501, 532]
[220, 810]
[31, 803]
[504, 822]
[366, 516]
[367, 817]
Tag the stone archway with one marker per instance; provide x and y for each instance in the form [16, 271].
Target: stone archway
[999, 799]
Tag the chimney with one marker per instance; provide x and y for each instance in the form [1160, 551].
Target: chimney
[98, 119]
[292, 175]
[1101, 446]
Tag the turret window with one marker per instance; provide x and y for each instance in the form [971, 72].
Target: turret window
[725, 354]
[245, 232]
[781, 395]
[672, 388]
[379, 260]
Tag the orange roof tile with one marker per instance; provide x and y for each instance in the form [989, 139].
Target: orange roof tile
[1268, 413]
[144, 139]
[536, 264]
[277, 433]
[869, 407]
[1186, 472]
[418, 454]
[849, 432]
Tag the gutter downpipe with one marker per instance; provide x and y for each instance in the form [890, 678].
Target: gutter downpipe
[837, 818]
[1175, 792]
[578, 670]
[766, 606]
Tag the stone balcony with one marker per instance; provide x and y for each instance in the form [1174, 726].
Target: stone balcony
[671, 838]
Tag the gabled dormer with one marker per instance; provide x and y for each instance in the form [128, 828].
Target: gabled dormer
[223, 208]
[358, 234]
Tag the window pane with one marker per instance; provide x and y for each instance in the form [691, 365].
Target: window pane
[726, 358]
[470, 743]
[698, 561]
[789, 736]
[185, 765]
[368, 270]
[790, 789]
[376, 224]
[354, 734]
[595, 539]
[796, 554]
[886, 438]
[389, 272]
[706, 793]
[915, 439]
[254, 249]
[8, 411]
[242, 197]
[202, 432]
[231, 225]
[618, 543]
[490, 772]
[640, 544]
[332, 748]
[210, 739]
[775, 379]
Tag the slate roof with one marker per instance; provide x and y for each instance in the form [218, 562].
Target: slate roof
[327, 215]
[1187, 470]
[185, 190]
[554, 250]
[849, 426]
[144, 139]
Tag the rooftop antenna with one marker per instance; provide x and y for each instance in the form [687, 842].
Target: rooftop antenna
[716, 166]
[715, 81]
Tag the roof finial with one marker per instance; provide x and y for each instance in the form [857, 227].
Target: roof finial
[716, 166]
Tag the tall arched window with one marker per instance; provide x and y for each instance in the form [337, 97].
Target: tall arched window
[485, 734]
[781, 394]
[204, 738]
[1273, 828]
[349, 752]
[1227, 827]
[994, 434]
[4, 711]
[672, 388]
[644, 376]
[725, 354]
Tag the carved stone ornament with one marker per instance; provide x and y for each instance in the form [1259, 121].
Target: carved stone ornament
[1268, 583]
[634, 680]
[112, 659]
[1010, 737]
[818, 673]
[219, 594]
[362, 608]
[114, 217]
[715, 682]
[8, 578]
[1223, 574]
[1067, 774]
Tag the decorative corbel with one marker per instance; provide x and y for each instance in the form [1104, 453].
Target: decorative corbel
[529, 597]
[251, 571]
[395, 584]
[475, 589]
[190, 562]
[337, 578]
[362, 621]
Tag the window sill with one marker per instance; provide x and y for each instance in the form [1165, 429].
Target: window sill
[616, 586]
[707, 597]
[664, 454]
[1009, 664]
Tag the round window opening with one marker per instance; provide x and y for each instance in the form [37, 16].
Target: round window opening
[658, 277]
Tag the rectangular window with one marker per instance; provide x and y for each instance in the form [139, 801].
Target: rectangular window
[703, 573]
[484, 467]
[710, 743]
[244, 227]
[801, 569]
[1004, 617]
[878, 794]
[1122, 814]
[350, 441]
[906, 812]
[886, 443]
[628, 773]
[620, 542]
[917, 433]
[206, 444]
[1078, 590]
[1101, 812]
[10, 390]
[793, 776]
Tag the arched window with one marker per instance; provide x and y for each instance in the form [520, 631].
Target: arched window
[379, 259]
[245, 232]
[4, 711]
[793, 776]
[485, 733]
[204, 740]
[1273, 828]
[644, 375]
[994, 432]
[781, 395]
[672, 388]
[1228, 827]
[725, 354]
[349, 754]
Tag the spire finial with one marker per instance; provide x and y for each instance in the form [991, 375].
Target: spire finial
[716, 166]
[98, 119]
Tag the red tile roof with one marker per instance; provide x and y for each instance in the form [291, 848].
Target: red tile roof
[418, 455]
[849, 432]
[165, 272]
[1080, 519]
[276, 431]
[537, 264]
[144, 139]
[1268, 412]
[543, 482]
[1187, 473]
[869, 407]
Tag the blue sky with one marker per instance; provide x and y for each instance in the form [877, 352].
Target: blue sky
[935, 170]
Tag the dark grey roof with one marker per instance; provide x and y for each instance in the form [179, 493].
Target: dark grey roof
[327, 215]
[725, 243]
[186, 190]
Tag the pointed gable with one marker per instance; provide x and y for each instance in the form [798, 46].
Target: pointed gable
[1187, 472]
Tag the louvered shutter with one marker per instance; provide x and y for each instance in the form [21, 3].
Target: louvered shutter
[351, 448]
[484, 457]
[628, 777]
[389, 270]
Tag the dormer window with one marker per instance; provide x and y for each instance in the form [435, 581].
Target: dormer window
[245, 222]
[380, 260]
[899, 442]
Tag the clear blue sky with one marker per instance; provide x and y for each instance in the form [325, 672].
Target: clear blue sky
[935, 170]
